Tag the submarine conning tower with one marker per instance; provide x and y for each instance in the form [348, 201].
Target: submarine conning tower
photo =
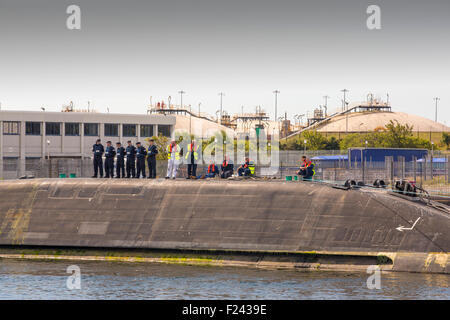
[260, 216]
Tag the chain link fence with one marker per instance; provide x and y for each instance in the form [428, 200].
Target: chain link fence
[430, 173]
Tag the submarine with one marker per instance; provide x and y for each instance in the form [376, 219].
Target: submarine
[253, 222]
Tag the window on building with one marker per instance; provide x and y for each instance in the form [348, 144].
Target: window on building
[146, 130]
[72, 128]
[11, 127]
[53, 128]
[129, 130]
[32, 164]
[10, 164]
[91, 129]
[164, 130]
[111, 130]
[33, 128]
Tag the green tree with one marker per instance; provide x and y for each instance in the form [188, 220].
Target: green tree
[358, 140]
[446, 139]
[332, 144]
[398, 135]
[395, 135]
[314, 140]
[161, 143]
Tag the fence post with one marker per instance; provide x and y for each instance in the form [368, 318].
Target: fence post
[401, 161]
[389, 166]
[414, 159]
[447, 166]
[363, 165]
[335, 171]
[49, 164]
[281, 169]
[392, 171]
[424, 168]
[431, 167]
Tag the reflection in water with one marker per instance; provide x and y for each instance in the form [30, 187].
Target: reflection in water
[113, 280]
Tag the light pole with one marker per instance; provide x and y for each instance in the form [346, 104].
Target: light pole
[199, 104]
[435, 113]
[181, 92]
[344, 101]
[276, 92]
[279, 127]
[190, 122]
[346, 115]
[221, 94]
[48, 149]
[326, 104]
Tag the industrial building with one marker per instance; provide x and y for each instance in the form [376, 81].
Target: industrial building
[367, 116]
[39, 135]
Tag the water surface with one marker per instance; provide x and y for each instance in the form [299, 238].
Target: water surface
[25, 279]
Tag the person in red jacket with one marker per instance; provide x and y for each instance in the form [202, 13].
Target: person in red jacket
[244, 170]
[227, 168]
[303, 166]
[212, 170]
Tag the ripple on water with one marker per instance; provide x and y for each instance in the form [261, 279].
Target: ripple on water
[22, 279]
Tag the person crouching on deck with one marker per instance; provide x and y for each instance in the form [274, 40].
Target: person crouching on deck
[227, 168]
[303, 166]
[309, 171]
[244, 170]
[212, 170]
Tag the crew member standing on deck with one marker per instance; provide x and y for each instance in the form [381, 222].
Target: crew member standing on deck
[110, 153]
[98, 151]
[192, 157]
[173, 156]
[131, 160]
[120, 163]
[140, 160]
[151, 159]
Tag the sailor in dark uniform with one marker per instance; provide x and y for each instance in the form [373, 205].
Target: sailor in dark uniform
[110, 153]
[151, 159]
[141, 152]
[131, 160]
[98, 151]
[120, 163]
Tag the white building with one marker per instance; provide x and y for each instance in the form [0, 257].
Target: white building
[33, 135]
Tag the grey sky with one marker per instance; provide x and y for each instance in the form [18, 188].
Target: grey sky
[130, 50]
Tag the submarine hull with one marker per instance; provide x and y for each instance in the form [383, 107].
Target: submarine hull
[263, 216]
